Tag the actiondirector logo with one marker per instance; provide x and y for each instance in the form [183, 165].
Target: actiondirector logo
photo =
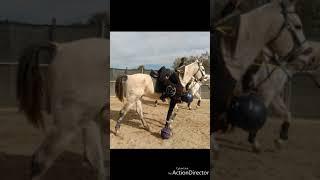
[184, 171]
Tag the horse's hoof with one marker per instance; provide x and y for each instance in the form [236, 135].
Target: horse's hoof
[147, 128]
[278, 143]
[86, 163]
[36, 168]
[256, 149]
[117, 131]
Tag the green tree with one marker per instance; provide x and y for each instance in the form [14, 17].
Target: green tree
[98, 18]
[141, 67]
[205, 57]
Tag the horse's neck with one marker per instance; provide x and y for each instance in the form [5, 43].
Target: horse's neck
[252, 37]
[277, 79]
[190, 71]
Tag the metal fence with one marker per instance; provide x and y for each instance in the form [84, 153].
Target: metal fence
[114, 73]
[305, 99]
[16, 36]
[8, 75]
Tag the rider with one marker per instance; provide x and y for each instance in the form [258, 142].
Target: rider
[171, 84]
[183, 62]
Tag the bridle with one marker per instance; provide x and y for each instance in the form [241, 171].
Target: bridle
[203, 74]
[296, 50]
[298, 44]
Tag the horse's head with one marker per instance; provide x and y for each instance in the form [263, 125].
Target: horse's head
[207, 77]
[200, 73]
[289, 41]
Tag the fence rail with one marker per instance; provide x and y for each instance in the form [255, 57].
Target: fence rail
[304, 102]
[114, 73]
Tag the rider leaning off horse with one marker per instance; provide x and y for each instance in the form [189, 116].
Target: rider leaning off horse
[171, 86]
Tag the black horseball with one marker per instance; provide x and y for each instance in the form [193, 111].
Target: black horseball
[247, 112]
[187, 97]
[165, 133]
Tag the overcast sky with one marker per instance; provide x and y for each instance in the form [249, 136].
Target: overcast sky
[131, 49]
[41, 11]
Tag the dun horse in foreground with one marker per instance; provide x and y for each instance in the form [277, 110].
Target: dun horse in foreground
[74, 93]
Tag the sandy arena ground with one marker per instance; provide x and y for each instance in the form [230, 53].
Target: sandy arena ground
[190, 127]
[298, 160]
[19, 140]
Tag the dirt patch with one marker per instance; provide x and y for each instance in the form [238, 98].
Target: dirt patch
[299, 159]
[190, 127]
[18, 142]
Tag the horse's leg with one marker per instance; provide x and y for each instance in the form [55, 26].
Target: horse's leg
[176, 107]
[283, 111]
[199, 99]
[67, 117]
[131, 101]
[189, 106]
[52, 146]
[253, 141]
[94, 151]
[140, 112]
[214, 146]
[85, 159]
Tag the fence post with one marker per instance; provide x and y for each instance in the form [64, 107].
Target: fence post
[103, 29]
[52, 29]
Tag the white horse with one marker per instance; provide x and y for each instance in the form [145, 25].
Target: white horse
[75, 94]
[275, 25]
[134, 87]
[270, 81]
[195, 87]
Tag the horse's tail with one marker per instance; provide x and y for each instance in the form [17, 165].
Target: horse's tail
[30, 85]
[119, 87]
